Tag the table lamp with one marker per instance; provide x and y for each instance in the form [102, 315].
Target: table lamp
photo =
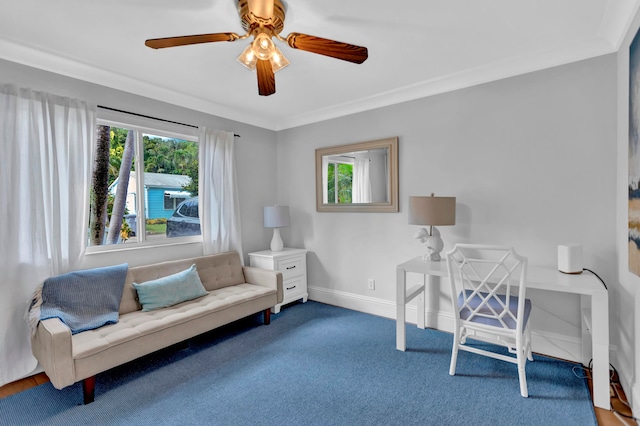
[276, 217]
[432, 211]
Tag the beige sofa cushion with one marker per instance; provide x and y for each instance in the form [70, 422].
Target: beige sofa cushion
[221, 270]
[135, 324]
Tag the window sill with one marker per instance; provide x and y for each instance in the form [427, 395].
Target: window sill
[147, 245]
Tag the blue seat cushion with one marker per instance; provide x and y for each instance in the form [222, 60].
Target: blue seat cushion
[476, 300]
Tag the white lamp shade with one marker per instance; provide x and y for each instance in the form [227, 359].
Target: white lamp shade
[432, 211]
[276, 216]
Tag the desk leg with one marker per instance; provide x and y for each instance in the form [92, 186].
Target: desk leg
[420, 322]
[432, 297]
[401, 298]
[587, 341]
[600, 342]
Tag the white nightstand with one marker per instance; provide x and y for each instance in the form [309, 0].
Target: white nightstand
[293, 265]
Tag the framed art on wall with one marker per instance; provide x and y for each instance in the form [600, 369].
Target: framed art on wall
[634, 155]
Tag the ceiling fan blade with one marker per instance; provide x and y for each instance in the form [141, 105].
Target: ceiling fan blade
[261, 8]
[160, 43]
[326, 47]
[266, 78]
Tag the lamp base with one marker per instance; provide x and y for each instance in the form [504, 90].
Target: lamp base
[276, 241]
[433, 242]
[434, 257]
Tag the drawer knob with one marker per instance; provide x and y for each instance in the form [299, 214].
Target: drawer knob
[291, 288]
[291, 267]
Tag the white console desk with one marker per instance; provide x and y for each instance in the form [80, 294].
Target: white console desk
[594, 303]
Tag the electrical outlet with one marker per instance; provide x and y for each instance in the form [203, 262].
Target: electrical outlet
[372, 284]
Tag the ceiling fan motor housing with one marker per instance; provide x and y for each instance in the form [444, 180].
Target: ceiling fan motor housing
[251, 22]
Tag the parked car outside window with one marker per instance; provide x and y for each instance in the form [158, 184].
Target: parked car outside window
[185, 220]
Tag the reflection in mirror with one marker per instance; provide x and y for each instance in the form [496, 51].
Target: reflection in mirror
[358, 177]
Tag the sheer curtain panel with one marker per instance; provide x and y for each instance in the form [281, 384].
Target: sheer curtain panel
[47, 145]
[361, 181]
[218, 193]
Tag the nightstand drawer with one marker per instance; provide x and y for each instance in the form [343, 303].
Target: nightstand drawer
[292, 287]
[293, 267]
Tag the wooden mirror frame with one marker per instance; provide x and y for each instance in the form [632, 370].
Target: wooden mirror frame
[391, 206]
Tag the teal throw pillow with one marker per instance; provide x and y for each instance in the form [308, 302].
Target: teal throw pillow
[170, 290]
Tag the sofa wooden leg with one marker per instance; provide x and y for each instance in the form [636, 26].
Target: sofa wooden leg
[267, 316]
[89, 389]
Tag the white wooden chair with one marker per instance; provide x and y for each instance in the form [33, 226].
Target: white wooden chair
[488, 285]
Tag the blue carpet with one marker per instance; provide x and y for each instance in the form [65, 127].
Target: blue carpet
[315, 364]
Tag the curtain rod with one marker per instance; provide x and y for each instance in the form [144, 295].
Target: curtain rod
[153, 118]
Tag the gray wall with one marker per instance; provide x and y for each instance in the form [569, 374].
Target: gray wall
[531, 160]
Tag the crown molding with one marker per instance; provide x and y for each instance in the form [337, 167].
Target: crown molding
[472, 77]
[617, 21]
[484, 74]
[51, 62]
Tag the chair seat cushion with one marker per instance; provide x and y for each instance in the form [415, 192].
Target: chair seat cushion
[481, 318]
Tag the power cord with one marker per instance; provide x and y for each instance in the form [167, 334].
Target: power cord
[614, 378]
[614, 386]
[597, 276]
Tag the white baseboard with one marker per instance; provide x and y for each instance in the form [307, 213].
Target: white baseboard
[556, 345]
[547, 343]
[380, 307]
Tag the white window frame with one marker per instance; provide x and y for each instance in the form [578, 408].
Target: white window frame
[140, 126]
[337, 159]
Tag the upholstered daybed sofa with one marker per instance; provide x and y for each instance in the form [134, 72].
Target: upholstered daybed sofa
[232, 292]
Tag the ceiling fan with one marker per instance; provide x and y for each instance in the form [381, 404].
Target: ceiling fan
[264, 19]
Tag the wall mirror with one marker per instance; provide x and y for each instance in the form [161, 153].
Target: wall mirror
[359, 177]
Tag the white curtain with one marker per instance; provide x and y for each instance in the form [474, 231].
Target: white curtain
[47, 145]
[218, 193]
[361, 191]
[325, 178]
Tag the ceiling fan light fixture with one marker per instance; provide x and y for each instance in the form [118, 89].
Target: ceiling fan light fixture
[264, 20]
[278, 60]
[263, 47]
[248, 58]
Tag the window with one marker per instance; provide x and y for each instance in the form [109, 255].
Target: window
[339, 181]
[173, 198]
[141, 178]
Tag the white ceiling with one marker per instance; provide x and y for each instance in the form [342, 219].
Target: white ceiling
[416, 48]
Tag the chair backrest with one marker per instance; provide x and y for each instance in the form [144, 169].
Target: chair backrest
[484, 280]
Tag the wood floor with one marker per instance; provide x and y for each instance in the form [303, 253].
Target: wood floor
[605, 418]
[23, 384]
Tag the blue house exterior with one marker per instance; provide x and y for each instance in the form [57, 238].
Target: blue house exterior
[162, 193]
[155, 203]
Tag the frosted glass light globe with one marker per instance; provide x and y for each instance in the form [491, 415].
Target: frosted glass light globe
[263, 47]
